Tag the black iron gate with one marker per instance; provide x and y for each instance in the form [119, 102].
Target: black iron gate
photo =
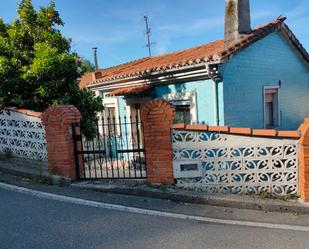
[113, 150]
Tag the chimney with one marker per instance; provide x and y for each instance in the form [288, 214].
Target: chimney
[95, 58]
[237, 20]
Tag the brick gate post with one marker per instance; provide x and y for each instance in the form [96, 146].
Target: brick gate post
[304, 161]
[157, 117]
[58, 122]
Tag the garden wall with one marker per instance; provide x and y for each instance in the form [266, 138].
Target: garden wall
[22, 134]
[240, 160]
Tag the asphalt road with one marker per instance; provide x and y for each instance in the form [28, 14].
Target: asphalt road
[31, 222]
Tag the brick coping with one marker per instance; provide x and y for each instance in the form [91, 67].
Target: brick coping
[23, 111]
[240, 131]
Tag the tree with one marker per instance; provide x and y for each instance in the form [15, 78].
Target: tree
[37, 67]
[86, 66]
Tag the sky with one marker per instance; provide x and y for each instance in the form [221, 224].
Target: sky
[117, 27]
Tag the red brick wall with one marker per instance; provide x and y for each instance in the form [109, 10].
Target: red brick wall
[304, 161]
[60, 148]
[157, 117]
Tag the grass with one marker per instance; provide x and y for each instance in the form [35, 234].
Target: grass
[45, 180]
[161, 187]
[6, 154]
[289, 197]
[62, 182]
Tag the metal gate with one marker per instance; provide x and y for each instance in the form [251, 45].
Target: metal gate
[114, 150]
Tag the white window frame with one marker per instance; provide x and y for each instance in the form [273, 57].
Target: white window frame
[112, 102]
[185, 96]
[264, 104]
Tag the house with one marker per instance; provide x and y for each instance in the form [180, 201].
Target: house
[257, 78]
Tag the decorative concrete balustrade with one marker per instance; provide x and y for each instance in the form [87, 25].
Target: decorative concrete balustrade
[241, 160]
[22, 134]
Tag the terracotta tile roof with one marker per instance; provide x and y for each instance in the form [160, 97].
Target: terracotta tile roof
[131, 90]
[259, 33]
[157, 63]
[211, 52]
[86, 80]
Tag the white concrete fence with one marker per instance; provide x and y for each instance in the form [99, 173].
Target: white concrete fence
[224, 163]
[22, 134]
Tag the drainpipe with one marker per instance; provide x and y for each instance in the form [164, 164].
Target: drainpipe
[214, 75]
[216, 102]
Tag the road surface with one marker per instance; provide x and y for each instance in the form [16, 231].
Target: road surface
[36, 222]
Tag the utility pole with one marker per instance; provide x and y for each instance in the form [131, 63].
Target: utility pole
[148, 33]
[95, 58]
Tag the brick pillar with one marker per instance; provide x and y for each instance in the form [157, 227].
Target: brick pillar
[157, 117]
[304, 161]
[58, 122]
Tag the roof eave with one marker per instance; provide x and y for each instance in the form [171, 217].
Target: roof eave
[282, 28]
[294, 42]
[153, 75]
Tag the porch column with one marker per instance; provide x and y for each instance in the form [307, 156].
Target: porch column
[157, 117]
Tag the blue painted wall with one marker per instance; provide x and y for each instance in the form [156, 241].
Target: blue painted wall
[220, 102]
[205, 98]
[264, 64]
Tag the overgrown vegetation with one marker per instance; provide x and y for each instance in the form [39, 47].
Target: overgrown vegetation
[37, 66]
[46, 180]
[86, 66]
[62, 182]
[7, 153]
[267, 195]
[161, 187]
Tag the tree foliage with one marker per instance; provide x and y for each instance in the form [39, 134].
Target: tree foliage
[37, 67]
[86, 66]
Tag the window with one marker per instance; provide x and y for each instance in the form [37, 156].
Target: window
[185, 106]
[271, 107]
[101, 94]
[182, 114]
[182, 111]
